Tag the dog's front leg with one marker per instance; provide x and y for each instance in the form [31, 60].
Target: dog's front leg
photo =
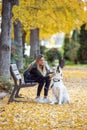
[60, 103]
[60, 97]
[53, 100]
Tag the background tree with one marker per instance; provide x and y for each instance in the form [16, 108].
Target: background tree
[23, 40]
[5, 39]
[52, 55]
[34, 42]
[44, 15]
[18, 43]
[43, 49]
[71, 47]
[47, 15]
[66, 46]
[72, 52]
[82, 53]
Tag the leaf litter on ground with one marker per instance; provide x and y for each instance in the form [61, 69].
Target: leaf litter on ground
[29, 115]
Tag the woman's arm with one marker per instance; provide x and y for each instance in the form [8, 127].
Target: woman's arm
[36, 73]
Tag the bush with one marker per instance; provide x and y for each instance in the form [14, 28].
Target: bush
[27, 61]
[43, 49]
[69, 63]
[5, 84]
[53, 54]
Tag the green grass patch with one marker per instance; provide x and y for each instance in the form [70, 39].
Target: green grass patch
[71, 64]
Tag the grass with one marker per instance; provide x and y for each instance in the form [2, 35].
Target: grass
[72, 65]
[69, 64]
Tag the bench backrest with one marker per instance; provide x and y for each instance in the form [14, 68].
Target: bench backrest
[15, 73]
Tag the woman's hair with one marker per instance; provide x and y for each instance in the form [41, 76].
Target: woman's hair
[39, 57]
[43, 69]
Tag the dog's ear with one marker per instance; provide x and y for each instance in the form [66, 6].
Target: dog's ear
[58, 68]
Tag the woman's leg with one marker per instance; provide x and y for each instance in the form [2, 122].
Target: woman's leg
[40, 86]
[46, 87]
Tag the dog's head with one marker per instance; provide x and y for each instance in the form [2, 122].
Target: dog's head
[58, 73]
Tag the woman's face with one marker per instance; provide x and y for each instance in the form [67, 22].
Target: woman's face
[41, 61]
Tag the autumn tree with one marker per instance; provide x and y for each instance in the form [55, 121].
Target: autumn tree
[34, 42]
[5, 38]
[50, 16]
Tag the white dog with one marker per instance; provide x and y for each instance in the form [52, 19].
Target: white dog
[59, 91]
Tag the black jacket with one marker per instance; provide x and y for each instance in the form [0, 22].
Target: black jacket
[33, 75]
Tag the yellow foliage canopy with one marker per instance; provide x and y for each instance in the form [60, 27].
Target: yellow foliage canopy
[51, 16]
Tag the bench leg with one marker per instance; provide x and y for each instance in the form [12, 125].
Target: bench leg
[17, 92]
[12, 94]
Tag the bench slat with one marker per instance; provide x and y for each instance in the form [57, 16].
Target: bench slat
[14, 67]
[18, 77]
[16, 72]
[27, 85]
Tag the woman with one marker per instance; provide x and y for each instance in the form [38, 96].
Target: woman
[39, 73]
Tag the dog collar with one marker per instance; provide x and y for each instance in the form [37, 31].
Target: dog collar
[56, 80]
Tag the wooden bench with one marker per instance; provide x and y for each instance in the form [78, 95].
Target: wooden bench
[18, 82]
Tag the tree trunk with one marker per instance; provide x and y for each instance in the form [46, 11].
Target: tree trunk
[23, 41]
[18, 42]
[5, 39]
[14, 2]
[34, 42]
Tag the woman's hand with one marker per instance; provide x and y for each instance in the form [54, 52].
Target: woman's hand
[51, 75]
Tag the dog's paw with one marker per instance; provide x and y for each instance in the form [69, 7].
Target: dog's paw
[52, 103]
[59, 103]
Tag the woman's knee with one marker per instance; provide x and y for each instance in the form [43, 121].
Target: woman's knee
[48, 81]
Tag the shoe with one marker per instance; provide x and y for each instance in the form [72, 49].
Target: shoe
[46, 100]
[18, 96]
[38, 100]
